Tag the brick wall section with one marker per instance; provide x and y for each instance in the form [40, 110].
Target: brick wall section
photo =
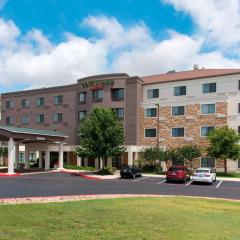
[192, 126]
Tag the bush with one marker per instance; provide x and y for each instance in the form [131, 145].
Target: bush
[107, 171]
[73, 167]
[152, 168]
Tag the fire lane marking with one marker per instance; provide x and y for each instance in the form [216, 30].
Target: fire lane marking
[163, 181]
[140, 179]
[219, 184]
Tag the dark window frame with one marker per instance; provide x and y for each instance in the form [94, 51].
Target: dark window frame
[58, 114]
[154, 91]
[180, 91]
[179, 112]
[113, 94]
[40, 119]
[85, 114]
[85, 97]
[151, 109]
[40, 101]
[57, 102]
[149, 129]
[212, 88]
[179, 129]
[94, 97]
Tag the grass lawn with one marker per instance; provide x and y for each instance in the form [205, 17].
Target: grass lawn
[136, 218]
[232, 175]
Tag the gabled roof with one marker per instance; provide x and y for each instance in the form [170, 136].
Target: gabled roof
[32, 131]
[188, 75]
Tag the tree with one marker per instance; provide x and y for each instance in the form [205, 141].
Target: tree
[101, 135]
[224, 144]
[3, 151]
[189, 152]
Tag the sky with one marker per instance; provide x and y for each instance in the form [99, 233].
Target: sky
[54, 42]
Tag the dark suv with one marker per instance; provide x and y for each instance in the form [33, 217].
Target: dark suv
[129, 171]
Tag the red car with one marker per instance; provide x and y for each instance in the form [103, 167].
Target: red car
[179, 173]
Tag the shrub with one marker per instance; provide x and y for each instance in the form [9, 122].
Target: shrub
[73, 167]
[152, 169]
[106, 171]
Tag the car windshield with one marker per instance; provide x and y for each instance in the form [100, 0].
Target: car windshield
[202, 171]
[176, 169]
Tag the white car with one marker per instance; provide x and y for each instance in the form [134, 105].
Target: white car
[204, 175]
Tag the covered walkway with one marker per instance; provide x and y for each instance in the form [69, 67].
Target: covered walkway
[41, 139]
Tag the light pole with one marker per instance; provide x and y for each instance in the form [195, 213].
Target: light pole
[158, 117]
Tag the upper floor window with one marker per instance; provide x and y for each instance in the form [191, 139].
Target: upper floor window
[25, 103]
[82, 97]
[151, 112]
[58, 100]
[9, 104]
[206, 130]
[9, 120]
[208, 108]
[25, 119]
[58, 117]
[178, 132]
[40, 101]
[180, 91]
[119, 112]
[82, 115]
[178, 110]
[209, 87]
[150, 132]
[97, 95]
[40, 118]
[117, 94]
[153, 93]
[208, 162]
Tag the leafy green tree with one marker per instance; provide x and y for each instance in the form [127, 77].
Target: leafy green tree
[224, 144]
[101, 135]
[3, 151]
[189, 152]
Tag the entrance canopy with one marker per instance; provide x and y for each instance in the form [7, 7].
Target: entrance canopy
[14, 135]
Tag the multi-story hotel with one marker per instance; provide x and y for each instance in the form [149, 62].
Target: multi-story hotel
[168, 110]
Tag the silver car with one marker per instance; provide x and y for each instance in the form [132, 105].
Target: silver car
[207, 175]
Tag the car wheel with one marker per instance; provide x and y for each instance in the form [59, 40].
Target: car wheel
[134, 176]
[185, 180]
[215, 179]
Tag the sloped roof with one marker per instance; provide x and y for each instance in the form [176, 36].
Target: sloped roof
[33, 131]
[188, 75]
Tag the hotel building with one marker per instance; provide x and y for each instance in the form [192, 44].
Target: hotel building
[169, 110]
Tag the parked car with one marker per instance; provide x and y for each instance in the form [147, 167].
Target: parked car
[129, 171]
[204, 175]
[178, 173]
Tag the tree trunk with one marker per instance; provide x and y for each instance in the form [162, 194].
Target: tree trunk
[225, 166]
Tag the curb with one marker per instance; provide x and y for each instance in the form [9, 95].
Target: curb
[9, 175]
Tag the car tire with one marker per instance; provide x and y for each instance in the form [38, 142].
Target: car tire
[134, 176]
[185, 180]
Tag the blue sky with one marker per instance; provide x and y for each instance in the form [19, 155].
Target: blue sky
[53, 42]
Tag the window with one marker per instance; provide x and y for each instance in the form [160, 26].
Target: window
[40, 101]
[58, 117]
[180, 91]
[9, 120]
[209, 88]
[151, 112]
[25, 119]
[21, 157]
[82, 115]
[117, 94]
[206, 130]
[208, 108]
[82, 97]
[9, 104]
[58, 100]
[32, 156]
[153, 93]
[208, 162]
[178, 110]
[119, 112]
[150, 132]
[97, 95]
[40, 118]
[177, 132]
[25, 103]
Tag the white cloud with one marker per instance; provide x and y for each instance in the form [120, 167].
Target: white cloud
[34, 60]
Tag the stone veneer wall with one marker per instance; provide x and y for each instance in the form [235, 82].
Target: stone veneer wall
[191, 121]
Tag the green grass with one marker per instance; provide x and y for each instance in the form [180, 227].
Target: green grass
[137, 218]
[74, 167]
[232, 175]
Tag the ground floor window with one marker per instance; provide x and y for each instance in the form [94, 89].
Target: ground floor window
[21, 157]
[208, 162]
[150, 132]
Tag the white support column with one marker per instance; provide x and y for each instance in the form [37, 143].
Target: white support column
[27, 153]
[16, 155]
[60, 156]
[47, 159]
[101, 163]
[40, 160]
[11, 154]
[79, 161]
[130, 156]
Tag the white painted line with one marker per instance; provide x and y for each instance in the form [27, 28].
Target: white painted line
[219, 184]
[163, 181]
[136, 180]
[187, 184]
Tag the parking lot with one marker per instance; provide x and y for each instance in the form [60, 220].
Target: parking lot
[62, 184]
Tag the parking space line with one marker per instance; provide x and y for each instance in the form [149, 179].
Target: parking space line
[140, 179]
[187, 184]
[219, 184]
[163, 181]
